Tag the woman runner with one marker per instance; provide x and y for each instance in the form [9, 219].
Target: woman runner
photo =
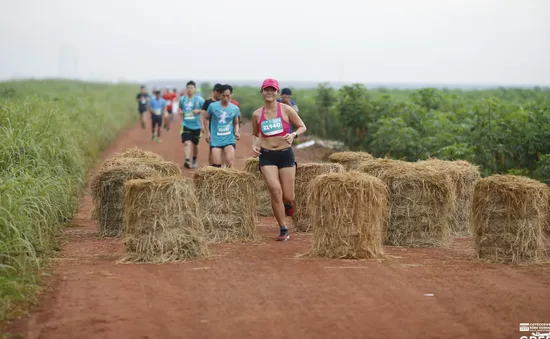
[273, 144]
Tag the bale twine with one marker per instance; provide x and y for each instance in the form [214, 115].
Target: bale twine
[349, 159]
[420, 202]
[507, 217]
[162, 221]
[305, 173]
[107, 189]
[464, 177]
[263, 199]
[350, 212]
[227, 199]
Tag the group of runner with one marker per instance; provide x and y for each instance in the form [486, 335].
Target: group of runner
[218, 120]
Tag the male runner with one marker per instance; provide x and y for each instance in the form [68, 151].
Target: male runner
[142, 98]
[215, 96]
[157, 107]
[190, 106]
[224, 129]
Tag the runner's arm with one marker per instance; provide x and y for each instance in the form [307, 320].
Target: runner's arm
[207, 119]
[199, 110]
[236, 125]
[296, 121]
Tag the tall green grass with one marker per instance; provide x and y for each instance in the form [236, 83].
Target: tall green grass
[51, 133]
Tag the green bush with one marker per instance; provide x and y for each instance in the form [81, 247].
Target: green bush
[52, 132]
[503, 130]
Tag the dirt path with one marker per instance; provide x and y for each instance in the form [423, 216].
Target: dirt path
[264, 290]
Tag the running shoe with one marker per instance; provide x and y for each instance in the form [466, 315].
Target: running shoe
[153, 137]
[195, 165]
[284, 235]
[186, 164]
[289, 209]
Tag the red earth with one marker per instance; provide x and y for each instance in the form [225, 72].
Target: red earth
[266, 290]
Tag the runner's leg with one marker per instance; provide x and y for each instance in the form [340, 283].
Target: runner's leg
[287, 176]
[271, 176]
[229, 155]
[187, 153]
[216, 157]
[196, 139]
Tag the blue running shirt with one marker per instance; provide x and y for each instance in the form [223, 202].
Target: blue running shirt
[222, 118]
[190, 119]
[157, 105]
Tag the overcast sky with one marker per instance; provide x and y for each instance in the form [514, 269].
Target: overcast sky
[393, 41]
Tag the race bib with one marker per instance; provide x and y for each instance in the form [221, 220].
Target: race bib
[272, 127]
[157, 111]
[224, 129]
[188, 116]
[144, 101]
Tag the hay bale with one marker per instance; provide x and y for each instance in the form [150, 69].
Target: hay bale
[305, 173]
[107, 190]
[350, 212]
[263, 199]
[227, 198]
[167, 168]
[420, 201]
[137, 153]
[464, 177]
[508, 216]
[349, 159]
[162, 221]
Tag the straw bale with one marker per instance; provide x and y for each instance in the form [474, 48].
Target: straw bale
[227, 198]
[508, 215]
[162, 221]
[305, 173]
[464, 177]
[350, 213]
[263, 199]
[167, 168]
[107, 190]
[349, 159]
[420, 202]
[137, 153]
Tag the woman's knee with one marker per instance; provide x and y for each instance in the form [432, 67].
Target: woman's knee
[276, 193]
[288, 196]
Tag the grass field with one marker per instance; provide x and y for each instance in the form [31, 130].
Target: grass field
[51, 133]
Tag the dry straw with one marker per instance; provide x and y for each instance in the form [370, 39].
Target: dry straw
[263, 199]
[464, 177]
[305, 173]
[349, 159]
[107, 188]
[227, 198]
[135, 153]
[162, 221]
[350, 212]
[508, 216]
[420, 202]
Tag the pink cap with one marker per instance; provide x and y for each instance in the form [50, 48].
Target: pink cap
[269, 82]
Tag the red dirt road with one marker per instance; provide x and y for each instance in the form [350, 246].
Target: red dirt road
[264, 290]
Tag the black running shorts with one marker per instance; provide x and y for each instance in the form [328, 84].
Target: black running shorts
[280, 158]
[192, 135]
